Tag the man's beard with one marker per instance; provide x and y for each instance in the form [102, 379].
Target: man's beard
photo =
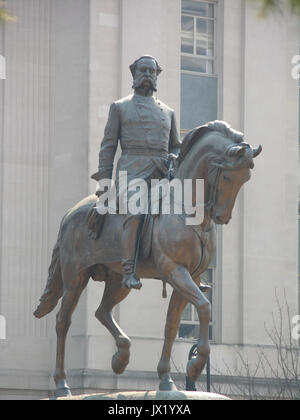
[139, 83]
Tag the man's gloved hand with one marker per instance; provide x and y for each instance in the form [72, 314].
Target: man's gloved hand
[171, 165]
[98, 193]
[172, 157]
[96, 176]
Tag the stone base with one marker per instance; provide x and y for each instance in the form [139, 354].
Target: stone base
[150, 395]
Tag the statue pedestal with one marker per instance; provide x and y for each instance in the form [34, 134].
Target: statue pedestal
[150, 396]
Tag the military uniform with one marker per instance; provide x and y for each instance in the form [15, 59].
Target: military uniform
[147, 131]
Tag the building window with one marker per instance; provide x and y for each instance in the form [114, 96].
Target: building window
[198, 36]
[199, 105]
[189, 325]
[199, 81]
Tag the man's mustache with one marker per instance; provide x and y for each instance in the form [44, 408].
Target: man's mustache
[138, 82]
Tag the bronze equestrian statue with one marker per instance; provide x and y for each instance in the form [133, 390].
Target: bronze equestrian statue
[169, 250]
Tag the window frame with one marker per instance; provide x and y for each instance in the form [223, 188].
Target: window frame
[216, 265]
[213, 58]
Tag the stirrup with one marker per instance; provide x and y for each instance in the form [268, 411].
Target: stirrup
[131, 282]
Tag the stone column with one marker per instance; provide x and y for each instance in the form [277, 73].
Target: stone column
[44, 145]
[231, 110]
[271, 117]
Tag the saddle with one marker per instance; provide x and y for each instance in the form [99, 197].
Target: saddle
[96, 221]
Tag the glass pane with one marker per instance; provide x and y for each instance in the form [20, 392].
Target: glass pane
[206, 277]
[213, 262]
[198, 8]
[204, 37]
[196, 64]
[210, 67]
[196, 319]
[187, 313]
[188, 331]
[187, 34]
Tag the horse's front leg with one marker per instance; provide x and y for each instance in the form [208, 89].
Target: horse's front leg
[183, 283]
[176, 307]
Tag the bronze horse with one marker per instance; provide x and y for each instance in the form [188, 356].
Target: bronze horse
[179, 253]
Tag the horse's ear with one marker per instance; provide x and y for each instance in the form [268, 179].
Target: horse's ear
[257, 151]
[237, 151]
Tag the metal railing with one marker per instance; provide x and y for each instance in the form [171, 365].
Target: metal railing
[191, 385]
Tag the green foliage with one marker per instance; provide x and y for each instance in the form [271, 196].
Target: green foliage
[267, 6]
[5, 15]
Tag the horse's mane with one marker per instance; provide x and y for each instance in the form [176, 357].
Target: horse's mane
[197, 135]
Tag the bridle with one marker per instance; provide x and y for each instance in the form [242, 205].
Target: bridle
[209, 205]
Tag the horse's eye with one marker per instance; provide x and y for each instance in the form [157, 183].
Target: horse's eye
[226, 178]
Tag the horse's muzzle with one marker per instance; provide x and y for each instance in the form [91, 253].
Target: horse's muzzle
[220, 220]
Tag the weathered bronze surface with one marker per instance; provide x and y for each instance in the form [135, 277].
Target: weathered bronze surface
[178, 253]
[147, 131]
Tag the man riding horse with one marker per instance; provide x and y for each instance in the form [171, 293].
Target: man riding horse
[148, 135]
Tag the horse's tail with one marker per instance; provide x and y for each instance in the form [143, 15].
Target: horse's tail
[54, 286]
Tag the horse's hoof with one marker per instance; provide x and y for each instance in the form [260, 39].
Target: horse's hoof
[167, 384]
[62, 389]
[137, 286]
[194, 368]
[47, 304]
[205, 288]
[119, 363]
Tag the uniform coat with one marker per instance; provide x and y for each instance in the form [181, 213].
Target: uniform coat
[147, 131]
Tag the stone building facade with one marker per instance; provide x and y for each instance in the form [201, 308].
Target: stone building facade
[62, 64]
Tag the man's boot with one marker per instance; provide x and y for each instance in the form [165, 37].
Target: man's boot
[129, 251]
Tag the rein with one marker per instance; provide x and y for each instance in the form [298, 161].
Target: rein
[213, 191]
[202, 235]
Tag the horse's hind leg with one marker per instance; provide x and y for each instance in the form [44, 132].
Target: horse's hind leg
[73, 288]
[114, 294]
[176, 307]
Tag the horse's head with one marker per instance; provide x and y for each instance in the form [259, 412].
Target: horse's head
[218, 154]
[226, 177]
